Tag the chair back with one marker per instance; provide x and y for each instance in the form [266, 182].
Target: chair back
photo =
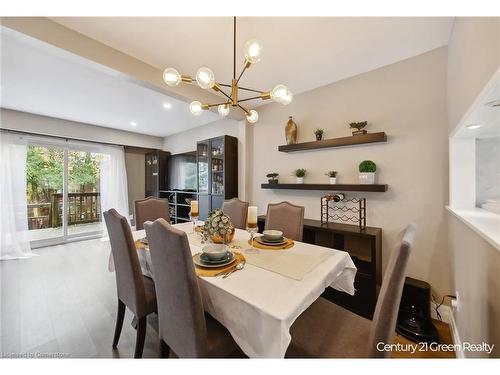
[150, 209]
[181, 316]
[237, 212]
[129, 279]
[287, 218]
[386, 311]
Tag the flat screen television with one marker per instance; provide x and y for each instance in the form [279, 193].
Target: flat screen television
[182, 172]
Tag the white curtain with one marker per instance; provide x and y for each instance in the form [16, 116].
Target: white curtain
[114, 192]
[14, 238]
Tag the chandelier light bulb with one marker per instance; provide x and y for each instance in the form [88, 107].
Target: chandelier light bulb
[223, 110]
[171, 77]
[280, 94]
[196, 108]
[253, 51]
[205, 78]
[253, 116]
[287, 98]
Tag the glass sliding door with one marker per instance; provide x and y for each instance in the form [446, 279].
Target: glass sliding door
[62, 193]
[44, 191]
[83, 199]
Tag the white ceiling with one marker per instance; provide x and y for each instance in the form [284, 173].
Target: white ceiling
[39, 78]
[301, 52]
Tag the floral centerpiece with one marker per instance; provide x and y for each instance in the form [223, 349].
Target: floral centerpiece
[219, 227]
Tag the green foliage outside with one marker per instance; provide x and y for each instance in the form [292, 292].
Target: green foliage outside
[44, 172]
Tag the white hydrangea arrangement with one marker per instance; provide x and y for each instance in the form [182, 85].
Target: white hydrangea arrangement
[219, 227]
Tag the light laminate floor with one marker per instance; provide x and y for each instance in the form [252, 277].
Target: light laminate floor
[64, 301]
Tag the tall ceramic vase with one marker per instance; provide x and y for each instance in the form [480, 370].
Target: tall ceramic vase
[291, 131]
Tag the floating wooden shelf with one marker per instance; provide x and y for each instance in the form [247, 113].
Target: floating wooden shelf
[335, 142]
[328, 187]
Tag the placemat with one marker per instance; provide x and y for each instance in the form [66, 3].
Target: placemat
[289, 244]
[211, 272]
[292, 265]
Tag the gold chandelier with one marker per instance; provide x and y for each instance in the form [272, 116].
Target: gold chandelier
[206, 80]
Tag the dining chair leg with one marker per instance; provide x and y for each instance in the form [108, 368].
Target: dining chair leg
[119, 322]
[140, 337]
[164, 349]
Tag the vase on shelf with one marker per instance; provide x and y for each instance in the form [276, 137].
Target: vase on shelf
[333, 180]
[367, 178]
[291, 131]
[300, 180]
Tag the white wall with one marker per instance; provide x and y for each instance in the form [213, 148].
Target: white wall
[473, 58]
[186, 141]
[28, 122]
[407, 100]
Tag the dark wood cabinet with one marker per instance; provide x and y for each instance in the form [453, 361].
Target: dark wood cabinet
[179, 204]
[217, 163]
[365, 249]
[156, 172]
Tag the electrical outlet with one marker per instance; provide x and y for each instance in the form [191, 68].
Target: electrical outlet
[455, 302]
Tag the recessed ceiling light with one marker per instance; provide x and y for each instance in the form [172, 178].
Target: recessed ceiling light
[133, 123]
[167, 105]
[473, 126]
[493, 103]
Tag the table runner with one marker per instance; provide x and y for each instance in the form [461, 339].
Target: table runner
[257, 306]
[294, 266]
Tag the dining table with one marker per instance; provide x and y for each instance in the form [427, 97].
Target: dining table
[259, 303]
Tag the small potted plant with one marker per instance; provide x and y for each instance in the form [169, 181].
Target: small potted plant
[333, 176]
[319, 134]
[359, 126]
[367, 170]
[300, 173]
[272, 177]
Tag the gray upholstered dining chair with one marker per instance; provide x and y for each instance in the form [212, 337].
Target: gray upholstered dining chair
[237, 212]
[327, 330]
[184, 327]
[135, 291]
[287, 218]
[150, 209]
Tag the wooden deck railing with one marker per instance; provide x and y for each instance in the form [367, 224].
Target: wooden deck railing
[82, 208]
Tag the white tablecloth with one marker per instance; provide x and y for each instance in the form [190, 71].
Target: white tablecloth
[258, 306]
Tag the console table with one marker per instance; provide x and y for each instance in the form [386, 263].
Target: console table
[365, 249]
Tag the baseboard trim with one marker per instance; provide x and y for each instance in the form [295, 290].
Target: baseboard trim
[448, 316]
[456, 336]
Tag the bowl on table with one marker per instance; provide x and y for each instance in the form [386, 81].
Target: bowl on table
[215, 251]
[272, 235]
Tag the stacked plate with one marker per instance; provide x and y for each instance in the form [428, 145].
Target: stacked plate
[214, 255]
[272, 238]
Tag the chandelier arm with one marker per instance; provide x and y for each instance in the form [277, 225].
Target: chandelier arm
[252, 90]
[242, 88]
[245, 67]
[244, 110]
[218, 104]
[252, 98]
[223, 93]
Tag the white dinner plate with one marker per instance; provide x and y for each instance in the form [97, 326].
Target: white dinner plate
[198, 262]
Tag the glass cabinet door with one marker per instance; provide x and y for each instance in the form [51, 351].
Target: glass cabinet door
[217, 165]
[203, 172]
